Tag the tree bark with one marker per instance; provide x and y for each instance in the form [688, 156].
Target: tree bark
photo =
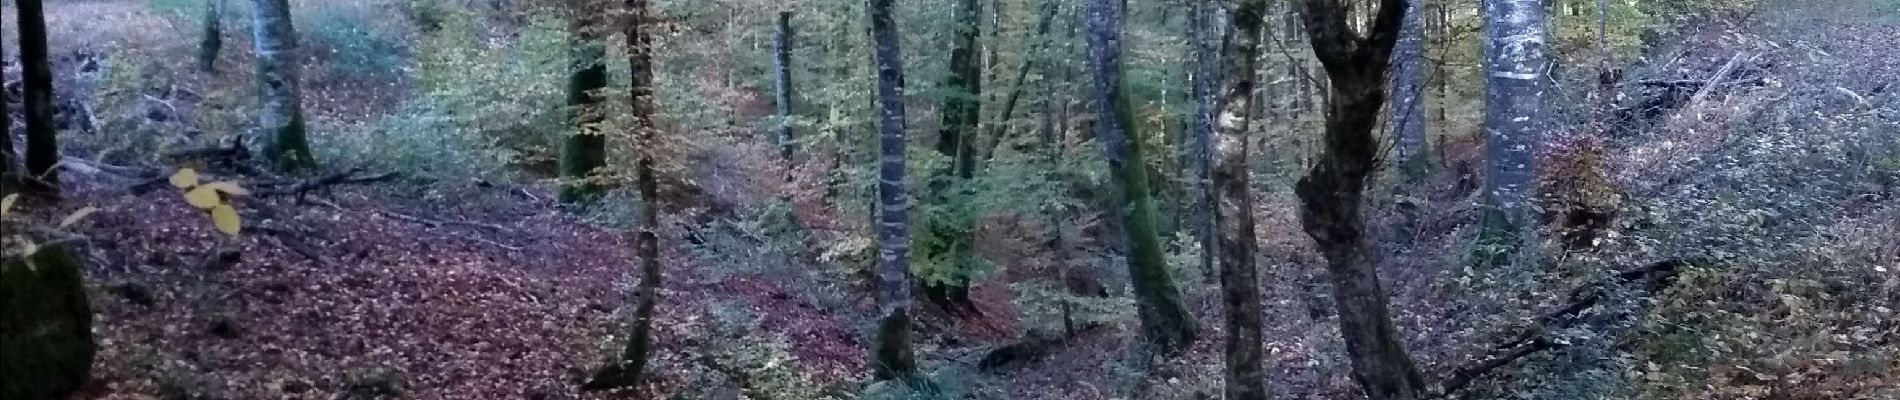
[1408, 82]
[1207, 47]
[7, 177]
[892, 354]
[782, 54]
[213, 40]
[36, 76]
[1240, 280]
[1333, 192]
[584, 152]
[281, 116]
[1515, 65]
[1166, 322]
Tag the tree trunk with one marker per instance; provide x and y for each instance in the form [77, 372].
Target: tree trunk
[213, 40]
[584, 152]
[1200, 153]
[631, 368]
[782, 54]
[1333, 192]
[1515, 65]
[281, 116]
[36, 76]
[1166, 322]
[892, 356]
[47, 337]
[1001, 126]
[963, 105]
[1408, 82]
[7, 177]
[1240, 280]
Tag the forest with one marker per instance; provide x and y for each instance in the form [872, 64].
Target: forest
[950, 199]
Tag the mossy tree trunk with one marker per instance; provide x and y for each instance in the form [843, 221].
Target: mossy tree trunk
[585, 151]
[1333, 192]
[36, 75]
[1167, 324]
[892, 356]
[631, 368]
[47, 338]
[213, 40]
[1240, 280]
[285, 144]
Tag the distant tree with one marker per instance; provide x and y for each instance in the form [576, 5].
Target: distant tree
[1515, 41]
[1240, 280]
[965, 82]
[1333, 192]
[782, 76]
[585, 151]
[1166, 322]
[1207, 45]
[1408, 84]
[281, 116]
[213, 40]
[892, 356]
[36, 76]
[631, 368]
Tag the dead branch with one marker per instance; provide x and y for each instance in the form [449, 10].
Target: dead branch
[299, 187]
[1716, 80]
[1653, 278]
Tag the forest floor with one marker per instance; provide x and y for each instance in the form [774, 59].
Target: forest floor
[492, 291]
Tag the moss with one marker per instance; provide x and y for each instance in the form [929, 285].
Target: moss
[289, 147]
[891, 355]
[47, 338]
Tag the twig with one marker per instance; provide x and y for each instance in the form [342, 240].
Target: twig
[1716, 80]
[439, 223]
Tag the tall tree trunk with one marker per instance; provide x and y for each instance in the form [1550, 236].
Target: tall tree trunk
[1515, 65]
[963, 106]
[281, 116]
[782, 54]
[584, 152]
[1333, 192]
[892, 356]
[36, 76]
[213, 40]
[1408, 82]
[1240, 280]
[7, 177]
[1207, 49]
[1001, 126]
[1165, 320]
[631, 368]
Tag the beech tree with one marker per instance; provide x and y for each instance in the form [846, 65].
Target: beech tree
[1166, 322]
[1408, 83]
[281, 116]
[585, 151]
[1333, 192]
[782, 79]
[1240, 280]
[1206, 47]
[36, 76]
[631, 368]
[1514, 86]
[7, 178]
[892, 356]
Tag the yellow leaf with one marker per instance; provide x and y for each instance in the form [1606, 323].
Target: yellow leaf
[76, 216]
[185, 178]
[228, 188]
[203, 197]
[226, 218]
[6, 204]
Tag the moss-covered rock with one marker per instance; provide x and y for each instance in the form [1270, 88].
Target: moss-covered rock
[46, 346]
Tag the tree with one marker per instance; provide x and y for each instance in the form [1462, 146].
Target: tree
[631, 368]
[585, 151]
[965, 82]
[891, 355]
[1206, 53]
[281, 115]
[213, 40]
[782, 75]
[1514, 65]
[36, 75]
[1408, 84]
[1333, 191]
[1165, 320]
[1240, 280]
[6, 133]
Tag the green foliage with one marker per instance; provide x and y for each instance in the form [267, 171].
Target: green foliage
[47, 337]
[356, 42]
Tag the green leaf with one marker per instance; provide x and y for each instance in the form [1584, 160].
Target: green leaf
[185, 178]
[203, 197]
[226, 219]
